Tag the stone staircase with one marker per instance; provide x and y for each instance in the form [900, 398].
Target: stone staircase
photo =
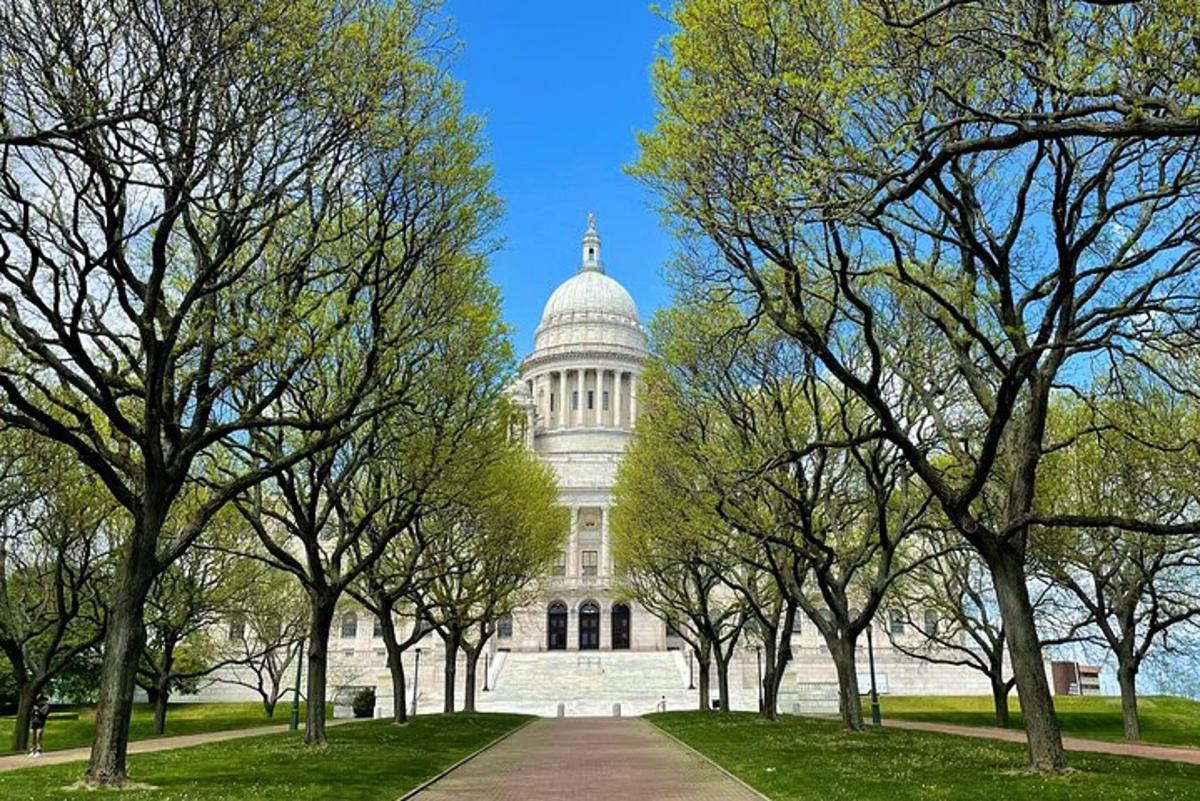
[588, 683]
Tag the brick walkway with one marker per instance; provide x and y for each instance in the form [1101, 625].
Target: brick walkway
[18, 761]
[1187, 755]
[614, 759]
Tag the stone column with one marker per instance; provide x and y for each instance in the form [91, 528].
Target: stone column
[633, 382]
[599, 417]
[603, 566]
[573, 544]
[617, 381]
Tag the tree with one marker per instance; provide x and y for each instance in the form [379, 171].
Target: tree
[55, 529]
[266, 628]
[187, 603]
[949, 611]
[1017, 178]
[662, 563]
[1125, 591]
[330, 517]
[799, 469]
[238, 191]
[701, 459]
[498, 533]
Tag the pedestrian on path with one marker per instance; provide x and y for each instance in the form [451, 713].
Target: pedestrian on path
[41, 713]
[662, 704]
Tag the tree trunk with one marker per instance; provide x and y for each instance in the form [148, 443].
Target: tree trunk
[770, 681]
[123, 642]
[451, 640]
[25, 698]
[318, 652]
[162, 688]
[269, 706]
[1000, 702]
[705, 685]
[1025, 651]
[722, 679]
[469, 683]
[1127, 680]
[395, 660]
[161, 695]
[849, 699]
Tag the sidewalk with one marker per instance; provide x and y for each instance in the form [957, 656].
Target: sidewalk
[614, 759]
[19, 761]
[1168, 753]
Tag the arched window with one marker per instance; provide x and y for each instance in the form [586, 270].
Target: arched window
[931, 622]
[377, 628]
[556, 626]
[896, 622]
[589, 626]
[237, 630]
[349, 626]
[504, 627]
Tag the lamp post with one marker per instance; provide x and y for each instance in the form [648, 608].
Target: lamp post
[485, 671]
[416, 679]
[758, 658]
[294, 723]
[691, 675]
[876, 718]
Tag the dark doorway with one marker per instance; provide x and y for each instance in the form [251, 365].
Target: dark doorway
[620, 626]
[589, 626]
[556, 627]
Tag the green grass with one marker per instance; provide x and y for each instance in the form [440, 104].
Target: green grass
[369, 761]
[181, 719]
[1166, 720]
[802, 759]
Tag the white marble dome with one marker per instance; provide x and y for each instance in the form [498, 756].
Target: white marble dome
[590, 292]
[590, 311]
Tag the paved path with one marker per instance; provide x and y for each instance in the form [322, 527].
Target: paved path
[18, 761]
[1188, 755]
[614, 759]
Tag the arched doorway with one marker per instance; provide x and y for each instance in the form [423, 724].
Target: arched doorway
[556, 626]
[620, 626]
[589, 626]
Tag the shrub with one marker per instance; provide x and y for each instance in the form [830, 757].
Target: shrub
[364, 703]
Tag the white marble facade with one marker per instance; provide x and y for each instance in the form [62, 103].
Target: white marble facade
[580, 390]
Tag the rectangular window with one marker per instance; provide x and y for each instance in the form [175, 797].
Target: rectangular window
[560, 569]
[590, 562]
[897, 622]
[349, 626]
[504, 627]
[604, 400]
[377, 630]
[931, 623]
[575, 401]
[591, 399]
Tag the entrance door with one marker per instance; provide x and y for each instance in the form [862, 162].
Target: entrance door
[589, 627]
[556, 627]
[620, 627]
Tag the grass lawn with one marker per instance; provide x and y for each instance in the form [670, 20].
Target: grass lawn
[1165, 719]
[369, 761]
[181, 719]
[802, 759]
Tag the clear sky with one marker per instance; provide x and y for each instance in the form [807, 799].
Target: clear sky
[564, 87]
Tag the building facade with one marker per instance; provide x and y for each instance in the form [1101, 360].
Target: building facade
[579, 387]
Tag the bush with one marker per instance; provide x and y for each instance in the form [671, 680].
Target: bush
[364, 703]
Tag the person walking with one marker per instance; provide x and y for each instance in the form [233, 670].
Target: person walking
[41, 713]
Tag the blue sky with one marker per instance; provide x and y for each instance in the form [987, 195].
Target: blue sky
[564, 87]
